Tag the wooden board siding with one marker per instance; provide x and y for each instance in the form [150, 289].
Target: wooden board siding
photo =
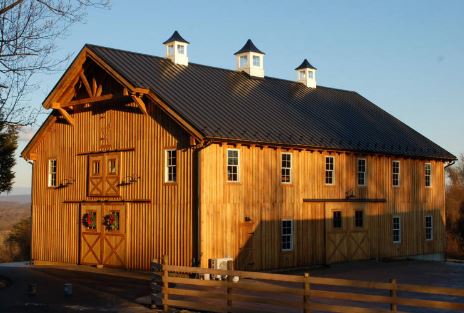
[260, 196]
[159, 225]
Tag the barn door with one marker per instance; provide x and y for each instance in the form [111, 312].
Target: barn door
[347, 235]
[358, 236]
[336, 232]
[103, 235]
[245, 257]
[114, 239]
[103, 174]
[91, 227]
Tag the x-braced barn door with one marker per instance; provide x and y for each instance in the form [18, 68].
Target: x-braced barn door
[347, 234]
[103, 235]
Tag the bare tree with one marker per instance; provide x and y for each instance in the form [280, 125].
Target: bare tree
[455, 207]
[29, 30]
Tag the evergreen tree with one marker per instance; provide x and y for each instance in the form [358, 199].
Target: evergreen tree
[8, 145]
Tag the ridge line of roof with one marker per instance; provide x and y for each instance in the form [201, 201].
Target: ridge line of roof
[213, 67]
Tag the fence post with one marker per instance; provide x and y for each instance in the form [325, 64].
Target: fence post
[230, 267]
[394, 302]
[307, 291]
[165, 283]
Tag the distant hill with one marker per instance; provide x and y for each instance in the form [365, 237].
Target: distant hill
[13, 208]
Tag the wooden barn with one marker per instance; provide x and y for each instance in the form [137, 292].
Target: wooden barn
[143, 156]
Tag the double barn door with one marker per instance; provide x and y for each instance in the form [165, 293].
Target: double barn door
[347, 234]
[103, 235]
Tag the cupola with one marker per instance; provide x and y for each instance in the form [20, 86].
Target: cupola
[250, 59]
[306, 74]
[176, 49]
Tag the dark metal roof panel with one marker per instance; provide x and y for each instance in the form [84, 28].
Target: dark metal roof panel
[175, 37]
[304, 65]
[249, 46]
[231, 105]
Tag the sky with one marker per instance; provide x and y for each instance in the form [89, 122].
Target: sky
[405, 56]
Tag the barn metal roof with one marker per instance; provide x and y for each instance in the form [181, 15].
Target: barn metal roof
[230, 105]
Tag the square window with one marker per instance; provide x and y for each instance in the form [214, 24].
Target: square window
[243, 60]
[310, 74]
[256, 61]
[302, 75]
[337, 219]
[180, 49]
[359, 219]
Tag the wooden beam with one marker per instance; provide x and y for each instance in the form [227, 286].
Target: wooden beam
[68, 118]
[90, 100]
[94, 87]
[86, 83]
[140, 104]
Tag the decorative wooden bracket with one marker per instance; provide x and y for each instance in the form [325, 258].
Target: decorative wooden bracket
[136, 95]
[68, 118]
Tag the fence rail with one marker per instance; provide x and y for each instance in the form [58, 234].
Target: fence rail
[240, 291]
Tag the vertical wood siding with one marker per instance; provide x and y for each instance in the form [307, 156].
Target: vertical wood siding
[161, 226]
[261, 197]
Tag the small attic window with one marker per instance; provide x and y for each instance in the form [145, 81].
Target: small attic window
[310, 74]
[256, 61]
[181, 49]
[243, 60]
[302, 75]
[170, 49]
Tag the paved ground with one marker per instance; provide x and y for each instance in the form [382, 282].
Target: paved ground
[105, 290]
[92, 291]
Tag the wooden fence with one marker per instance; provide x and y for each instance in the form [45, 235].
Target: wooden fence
[239, 291]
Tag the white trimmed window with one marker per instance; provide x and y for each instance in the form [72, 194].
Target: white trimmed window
[396, 173]
[181, 49]
[428, 175]
[170, 49]
[310, 74]
[302, 74]
[170, 171]
[233, 165]
[329, 170]
[256, 61]
[362, 170]
[287, 235]
[243, 60]
[286, 171]
[52, 173]
[396, 221]
[428, 227]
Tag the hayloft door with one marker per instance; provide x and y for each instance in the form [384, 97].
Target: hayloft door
[103, 235]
